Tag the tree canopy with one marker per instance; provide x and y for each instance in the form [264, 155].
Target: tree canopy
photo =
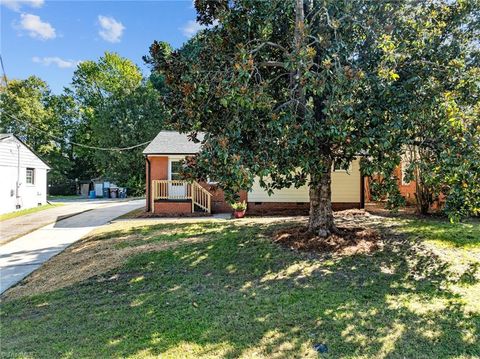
[40, 119]
[285, 89]
[118, 108]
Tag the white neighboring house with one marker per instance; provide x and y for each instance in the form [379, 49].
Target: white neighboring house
[23, 176]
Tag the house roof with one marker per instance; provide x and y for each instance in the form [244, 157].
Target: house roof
[173, 143]
[4, 136]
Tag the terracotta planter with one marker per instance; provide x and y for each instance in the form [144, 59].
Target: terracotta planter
[239, 214]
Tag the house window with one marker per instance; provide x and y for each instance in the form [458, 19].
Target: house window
[339, 166]
[30, 179]
[175, 169]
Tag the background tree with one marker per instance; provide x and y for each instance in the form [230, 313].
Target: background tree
[118, 109]
[32, 112]
[439, 63]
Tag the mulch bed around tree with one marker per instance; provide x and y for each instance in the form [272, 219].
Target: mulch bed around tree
[348, 241]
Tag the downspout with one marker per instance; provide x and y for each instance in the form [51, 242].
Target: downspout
[148, 183]
[17, 192]
[48, 187]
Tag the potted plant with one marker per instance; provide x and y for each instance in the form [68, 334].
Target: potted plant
[239, 209]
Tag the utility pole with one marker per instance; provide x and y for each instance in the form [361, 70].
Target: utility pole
[3, 71]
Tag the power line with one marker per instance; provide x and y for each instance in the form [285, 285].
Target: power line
[75, 143]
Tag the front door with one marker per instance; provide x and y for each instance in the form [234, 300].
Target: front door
[176, 189]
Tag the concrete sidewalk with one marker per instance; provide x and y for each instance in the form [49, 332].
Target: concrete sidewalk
[23, 255]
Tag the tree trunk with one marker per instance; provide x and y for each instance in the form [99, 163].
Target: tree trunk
[321, 213]
[296, 76]
[423, 196]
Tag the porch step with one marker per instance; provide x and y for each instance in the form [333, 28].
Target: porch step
[198, 209]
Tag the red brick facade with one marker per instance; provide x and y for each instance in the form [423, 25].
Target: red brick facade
[219, 204]
[407, 190]
[173, 208]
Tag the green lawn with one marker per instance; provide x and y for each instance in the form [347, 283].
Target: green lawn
[23, 212]
[223, 289]
[64, 196]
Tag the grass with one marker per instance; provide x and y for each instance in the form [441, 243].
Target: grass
[64, 196]
[133, 214]
[223, 289]
[10, 215]
[445, 234]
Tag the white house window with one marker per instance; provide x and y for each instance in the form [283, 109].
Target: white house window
[175, 169]
[30, 179]
[339, 166]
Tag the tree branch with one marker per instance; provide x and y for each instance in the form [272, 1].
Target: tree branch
[272, 64]
[272, 44]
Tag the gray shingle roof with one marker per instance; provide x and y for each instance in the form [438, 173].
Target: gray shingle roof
[174, 143]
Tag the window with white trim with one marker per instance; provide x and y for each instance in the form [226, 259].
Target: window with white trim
[30, 176]
[175, 169]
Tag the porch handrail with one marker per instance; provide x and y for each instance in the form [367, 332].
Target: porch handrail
[161, 189]
[201, 197]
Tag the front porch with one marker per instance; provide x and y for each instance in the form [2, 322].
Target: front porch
[176, 196]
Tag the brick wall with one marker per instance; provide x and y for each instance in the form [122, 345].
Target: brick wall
[219, 205]
[291, 208]
[158, 171]
[159, 168]
[173, 208]
[406, 190]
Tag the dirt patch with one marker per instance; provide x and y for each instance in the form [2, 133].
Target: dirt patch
[355, 212]
[348, 241]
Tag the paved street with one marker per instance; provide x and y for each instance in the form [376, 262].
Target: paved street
[21, 256]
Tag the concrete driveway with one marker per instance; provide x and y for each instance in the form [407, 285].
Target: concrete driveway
[23, 255]
[22, 225]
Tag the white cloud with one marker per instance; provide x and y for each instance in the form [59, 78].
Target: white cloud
[55, 60]
[192, 27]
[15, 5]
[36, 27]
[111, 29]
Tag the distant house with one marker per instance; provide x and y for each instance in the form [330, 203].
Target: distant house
[168, 194]
[23, 176]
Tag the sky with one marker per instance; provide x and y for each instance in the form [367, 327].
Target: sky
[48, 38]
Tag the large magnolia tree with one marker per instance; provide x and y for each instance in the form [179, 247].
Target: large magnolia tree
[285, 89]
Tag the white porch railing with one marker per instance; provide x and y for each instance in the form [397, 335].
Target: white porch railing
[181, 190]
